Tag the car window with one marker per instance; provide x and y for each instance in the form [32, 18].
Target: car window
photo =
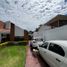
[45, 45]
[57, 49]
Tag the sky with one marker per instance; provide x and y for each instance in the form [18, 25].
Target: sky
[29, 14]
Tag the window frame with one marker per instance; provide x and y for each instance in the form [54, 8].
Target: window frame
[45, 47]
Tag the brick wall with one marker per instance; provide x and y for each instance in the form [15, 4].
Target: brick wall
[2, 25]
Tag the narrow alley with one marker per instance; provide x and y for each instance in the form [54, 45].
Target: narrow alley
[33, 59]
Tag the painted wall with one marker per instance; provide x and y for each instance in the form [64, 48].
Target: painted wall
[40, 33]
[19, 31]
[35, 35]
[7, 25]
[56, 34]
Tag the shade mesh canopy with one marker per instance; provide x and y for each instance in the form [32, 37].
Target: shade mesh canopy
[28, 14]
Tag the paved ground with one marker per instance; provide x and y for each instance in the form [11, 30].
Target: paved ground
[34, 60]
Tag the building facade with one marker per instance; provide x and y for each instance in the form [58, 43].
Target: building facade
[10, 32]
[57, 21]
[55, 29]
[40, 33]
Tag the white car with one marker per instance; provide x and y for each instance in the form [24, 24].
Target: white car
[54, 53]
[36, 43]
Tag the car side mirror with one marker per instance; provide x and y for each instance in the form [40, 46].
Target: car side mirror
[41, 39]
[41, 45]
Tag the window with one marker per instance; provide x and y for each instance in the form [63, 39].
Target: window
[62, 22]
[45, 45]
[57, 49]
[3, 35]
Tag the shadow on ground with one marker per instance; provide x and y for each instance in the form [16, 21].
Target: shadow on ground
[42, 63]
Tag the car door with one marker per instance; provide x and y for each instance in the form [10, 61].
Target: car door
[57, 54]
[45, 54]
[43, 51]
[49, 57]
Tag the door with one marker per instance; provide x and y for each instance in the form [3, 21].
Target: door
[43, 51]
[56, 55]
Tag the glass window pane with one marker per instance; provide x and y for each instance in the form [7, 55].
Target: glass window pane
[57, 49]
[45, 45]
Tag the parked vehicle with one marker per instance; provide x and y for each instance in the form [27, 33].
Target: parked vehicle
[36, 43]
[54, 53]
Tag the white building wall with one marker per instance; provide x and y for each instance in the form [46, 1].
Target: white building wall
[35, 35]
[43, 27]
[56, 34]
[42, 30]
[8, 25]
[19, 31]
[40, 33]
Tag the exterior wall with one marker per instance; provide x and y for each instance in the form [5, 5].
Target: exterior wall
[3, 31]
[26, 36]
[0, 37]
[56, 34]
[19, 31]
[1, 25]
[42, 30]
[14, 30]
[35, 35]
[40, 33]
[43, 27]
[7, 25]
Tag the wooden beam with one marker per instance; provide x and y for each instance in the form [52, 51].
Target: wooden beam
[58, 23]
[12, 32]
